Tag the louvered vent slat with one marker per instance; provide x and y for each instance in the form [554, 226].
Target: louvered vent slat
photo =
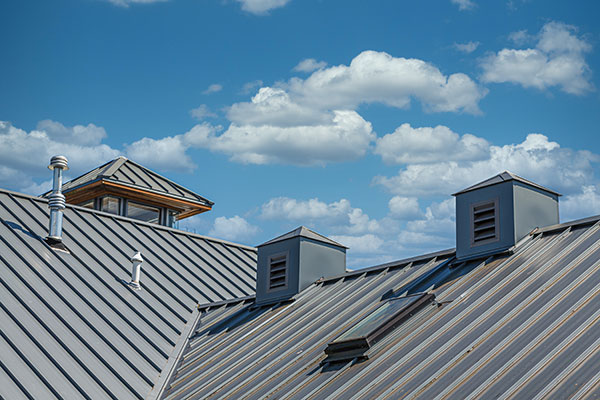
[277, 272]
[484, 222]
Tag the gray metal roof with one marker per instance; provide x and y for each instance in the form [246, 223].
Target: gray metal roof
[303, 231]
[69, 326]
[504, 177]
[130, 173]
[522, 325]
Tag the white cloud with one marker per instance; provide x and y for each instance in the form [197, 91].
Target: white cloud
[580, 205]
[339, 216]
[309, 65]
[36, 189]
[343, 136]
[169, 153]
[24, 156]
[234, 228]
[214, 88]
[557, 60]
[127, 3]
[464, 4]
[201, 112]
[536, 159]
[274, 107]
[468, 47]
[250, 86]
[261, 7]
[378, 77]
[314, 121]
[404, 207]
[429, 145]
[521, 37]
[89, 135]
[368, 243]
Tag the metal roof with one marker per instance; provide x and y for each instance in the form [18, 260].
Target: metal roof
[504, 177]
[520, 325]
[69, 326]
[303, 231]
[130, 173]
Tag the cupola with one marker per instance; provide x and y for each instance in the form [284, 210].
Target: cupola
[126, 188]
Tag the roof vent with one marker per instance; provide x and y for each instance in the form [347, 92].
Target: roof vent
[56, 202]
[291, 262]
[136, 266]
[493, 215]
[485, 222]
[278, 271]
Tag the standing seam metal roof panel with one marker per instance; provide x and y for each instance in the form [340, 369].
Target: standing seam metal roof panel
[523, 325]
[70, 326]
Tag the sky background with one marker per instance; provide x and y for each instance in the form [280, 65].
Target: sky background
[358, 119]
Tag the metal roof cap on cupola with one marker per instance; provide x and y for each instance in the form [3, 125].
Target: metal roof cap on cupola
[291, 262]
[493, 215]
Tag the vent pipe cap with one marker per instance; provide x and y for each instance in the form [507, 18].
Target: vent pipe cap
[136, 262]
[59, 162]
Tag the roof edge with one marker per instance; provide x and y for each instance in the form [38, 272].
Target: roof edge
[137, 221]
[442, 253]
[506, 176]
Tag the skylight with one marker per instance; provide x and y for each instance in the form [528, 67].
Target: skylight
[361, 337]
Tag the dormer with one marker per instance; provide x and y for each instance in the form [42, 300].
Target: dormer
[126, 188]
[493, 215]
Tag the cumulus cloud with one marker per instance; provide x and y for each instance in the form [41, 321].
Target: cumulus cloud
[404, 207]
[536, 158]
[342, 136]
[25, 155]
[467, 48]
[557, 60]
[464, 4]
[314, 121]
[214, 88]
[261, 7]
[580, 205]
[368, 243]
[521, 37]
[250, 86]
[89, 135]
[170, 153]
[377, 77]
[339, 215]
[309, 65]
[429, 145]
[201, 112]
[234, 228]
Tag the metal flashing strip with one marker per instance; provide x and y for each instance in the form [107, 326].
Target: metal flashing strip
[169, 369]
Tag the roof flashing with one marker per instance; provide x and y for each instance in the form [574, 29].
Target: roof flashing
[358, 340]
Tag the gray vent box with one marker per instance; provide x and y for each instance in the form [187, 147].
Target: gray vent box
[290, 263]
[493, 215]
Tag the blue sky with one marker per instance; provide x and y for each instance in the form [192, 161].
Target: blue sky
[355, 118]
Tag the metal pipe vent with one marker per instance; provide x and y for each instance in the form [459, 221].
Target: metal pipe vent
[56, 200]
[136, 267]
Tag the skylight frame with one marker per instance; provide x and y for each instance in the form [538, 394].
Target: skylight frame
[356, 346]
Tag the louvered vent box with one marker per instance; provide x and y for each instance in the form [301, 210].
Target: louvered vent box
[495, 214]
[291, 262]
